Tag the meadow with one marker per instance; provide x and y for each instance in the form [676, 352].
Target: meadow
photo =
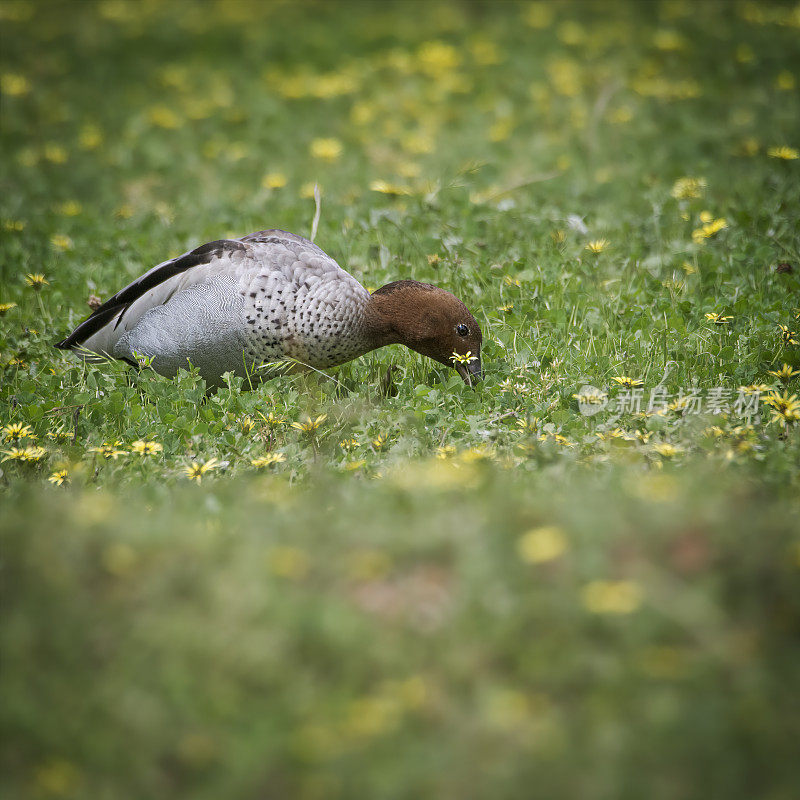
[579, 579]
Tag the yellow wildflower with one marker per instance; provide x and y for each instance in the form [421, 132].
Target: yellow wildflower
[90, 137]
[436, 58]
[392, 189]
[55, 153]
[612, 597]
[784, 153]
[326, 149]
[5, 307]
[164, 117]
[15, 454]
[59, 477]
[785, 407]
[146, 448]
[626, 382]
[789, 337]
[267, 460]
[539, 14]
[379, 442]
[307, 190]
[109, 450]
[36, 281]
[688, 188]
[196, 470]
[69, 208]
[717, 319]
[785, 81]
[272, 419]
[274, 180]
[309, 425]
[666, 450]
[542, 544]
[61, 242]
[597, 246]
[465, 359]
[288, 562]
[15, 431]
[785, 373]
[14, 85]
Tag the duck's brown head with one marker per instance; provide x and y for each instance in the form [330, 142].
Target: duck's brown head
[429, 320]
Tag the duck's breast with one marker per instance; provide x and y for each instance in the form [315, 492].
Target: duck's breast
[304, 305]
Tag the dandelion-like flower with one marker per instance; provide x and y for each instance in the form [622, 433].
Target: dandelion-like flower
[717, 319]
[146, 448]
[61, 241]
[688, 188]
[784, 153]
[463, 359]
[379, 442]
[597, 246]
[348, 444]
[612, 597]
[666, 450]
[14, 84]
[785, 373]
[6, 307]
[309, 425]
[541, 544]
[196, 470]
[109, 450]
[326, 149]
[36, 281]
[247, 425]
[392, 189]
[267, 460]
[15, 431]
[626, 382]
[59, 477]
[788, 336]
[274, 180]
[785, 407]
[272, 419]
[30, 454]
[15, 454]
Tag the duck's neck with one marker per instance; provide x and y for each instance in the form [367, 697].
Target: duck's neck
[392, 315]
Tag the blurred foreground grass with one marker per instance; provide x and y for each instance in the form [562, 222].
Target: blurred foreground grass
[438, 634]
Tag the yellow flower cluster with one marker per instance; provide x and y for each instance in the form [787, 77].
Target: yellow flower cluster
[709, 228]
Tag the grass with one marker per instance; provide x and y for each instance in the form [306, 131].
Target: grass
[435, 591]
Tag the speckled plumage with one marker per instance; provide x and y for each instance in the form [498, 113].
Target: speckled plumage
[232, 305]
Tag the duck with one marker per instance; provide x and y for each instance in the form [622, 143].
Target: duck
[232, 305]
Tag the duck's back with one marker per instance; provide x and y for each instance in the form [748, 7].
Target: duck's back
[230, 305]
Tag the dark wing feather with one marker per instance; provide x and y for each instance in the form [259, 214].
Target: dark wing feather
[122, 299]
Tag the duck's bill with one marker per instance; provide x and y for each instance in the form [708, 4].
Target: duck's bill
[470, 373]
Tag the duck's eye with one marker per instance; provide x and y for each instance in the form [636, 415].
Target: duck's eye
[462, 330]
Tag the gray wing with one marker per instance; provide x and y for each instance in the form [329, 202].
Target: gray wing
[100, 332]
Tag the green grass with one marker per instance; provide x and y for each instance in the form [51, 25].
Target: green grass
[371, 616]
